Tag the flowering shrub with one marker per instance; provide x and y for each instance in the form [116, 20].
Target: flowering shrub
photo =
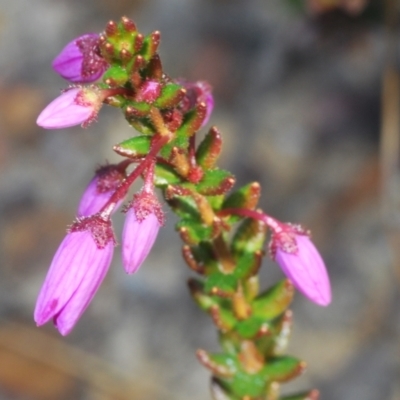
[223, 231]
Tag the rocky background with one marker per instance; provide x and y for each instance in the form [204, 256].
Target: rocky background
[298, 99]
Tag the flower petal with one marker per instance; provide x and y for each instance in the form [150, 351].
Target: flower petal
[306, 270]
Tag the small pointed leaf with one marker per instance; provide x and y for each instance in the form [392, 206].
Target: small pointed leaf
[249, 237]
[221, 284]
[246, 197]
[165, 175]
[192, 120]
[249, 328]
[116, 75]
[282, 369]
[215, 182]
[248, 264]
[209, 149]
[135, 147]
[275, 301]
[171, 95]
[251, 385]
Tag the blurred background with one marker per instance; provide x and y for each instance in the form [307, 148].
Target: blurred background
[307, 100]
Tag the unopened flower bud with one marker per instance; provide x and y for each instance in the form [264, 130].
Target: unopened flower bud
[76, 272]
[80, 60]
[100, 189]
[143, 221]
[148, 91]
[301, 263]
[73, 107]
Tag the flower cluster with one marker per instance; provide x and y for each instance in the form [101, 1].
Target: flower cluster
[124, 70]
[84, 256]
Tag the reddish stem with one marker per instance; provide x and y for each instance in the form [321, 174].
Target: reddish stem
[275, 225]
[149, 178]
[122, 189]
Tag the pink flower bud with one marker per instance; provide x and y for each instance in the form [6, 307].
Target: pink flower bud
[80, 60]
[73, 107]
[148, 92]
[100, 189]
[302, 264]
[76, 272]
[143, 220]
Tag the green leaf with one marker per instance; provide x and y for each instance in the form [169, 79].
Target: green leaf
[282, 369]
[186, 208]
[150, 45]
[181, 142]
[117, 75]
[209, 149]
[204, 253]
[223, 318]
[194, 232]
[246, 197]
[192, 121]
[249, 237]
[170, 96]
[244, 384]
[215, 201]
[165, 175]
[215, 182]
[275, 301]
[137, 109]
[249, 328]
[225, 284]
[247, 264]
[219, 362]
[137, 146]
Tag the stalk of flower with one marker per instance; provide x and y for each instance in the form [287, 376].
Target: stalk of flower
[80, 60]
[76, 272]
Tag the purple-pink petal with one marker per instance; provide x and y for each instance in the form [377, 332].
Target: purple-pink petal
[64, 111]
[70, 63]
[306, 270]
[92, 200]
[138, 238]
[75, 274]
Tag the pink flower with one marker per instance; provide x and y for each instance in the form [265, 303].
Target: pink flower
[73, 107]
[143, 221]
[302, 264]
[76, 272]
[100, 189]
[80, 60]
